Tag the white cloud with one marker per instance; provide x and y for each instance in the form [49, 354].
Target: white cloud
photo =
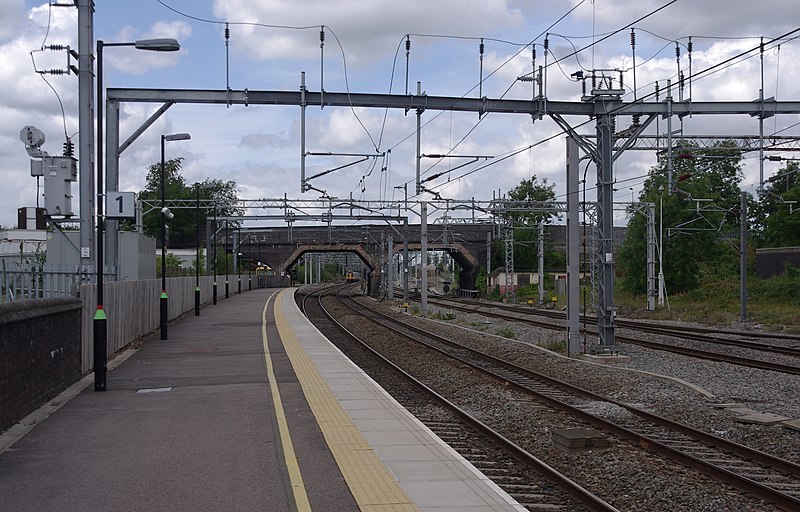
[366, 30]
[13, 16]
[258, 146]
[137, 62]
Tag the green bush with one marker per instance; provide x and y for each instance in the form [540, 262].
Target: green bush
[505, 332]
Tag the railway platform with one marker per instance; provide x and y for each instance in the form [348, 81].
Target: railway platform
[245, 407]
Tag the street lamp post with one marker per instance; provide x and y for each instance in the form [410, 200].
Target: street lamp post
[197, 252]
[239, 271]
[165, 215]
[250, 267]
[214, 243]
[100, 341]
[198, 186]
[226, 259]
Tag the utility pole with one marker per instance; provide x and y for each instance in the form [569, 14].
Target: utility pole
[651, 256]
[743, 258]
[423, 213]
[541, 261]
[86, 117]
[573, 253]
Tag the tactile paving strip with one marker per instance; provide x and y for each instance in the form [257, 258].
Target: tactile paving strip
[373, 487]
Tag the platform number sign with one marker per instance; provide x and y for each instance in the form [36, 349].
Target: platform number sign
[120, 205]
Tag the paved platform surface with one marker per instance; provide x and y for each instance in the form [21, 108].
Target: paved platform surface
[246, 407]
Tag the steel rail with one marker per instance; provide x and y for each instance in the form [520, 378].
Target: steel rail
[666, 347]
[513, 371]
[567, 485]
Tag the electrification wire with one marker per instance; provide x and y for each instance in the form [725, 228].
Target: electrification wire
[703, 73]
[492, 73]
[49, 19]
[33, 61]
[575, 49]
[287, 27]
[60, 103]
[594, 43]
[244, 23]
[614, 32]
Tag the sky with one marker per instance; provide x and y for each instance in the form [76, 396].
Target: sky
[272, 41]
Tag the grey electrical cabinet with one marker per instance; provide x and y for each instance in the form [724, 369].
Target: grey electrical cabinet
[59, 172]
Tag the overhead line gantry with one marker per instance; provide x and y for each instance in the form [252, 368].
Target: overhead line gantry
[602, 106]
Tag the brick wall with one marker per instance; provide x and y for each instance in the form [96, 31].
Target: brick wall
[40, 354]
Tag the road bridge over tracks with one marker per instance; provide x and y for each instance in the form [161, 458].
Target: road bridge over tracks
[282, 248]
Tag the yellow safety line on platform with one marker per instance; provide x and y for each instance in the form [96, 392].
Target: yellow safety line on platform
[295, 478]
[372, 486]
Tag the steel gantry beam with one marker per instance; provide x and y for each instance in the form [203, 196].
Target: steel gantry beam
[457, 104]
[741, 143]
[602, 106]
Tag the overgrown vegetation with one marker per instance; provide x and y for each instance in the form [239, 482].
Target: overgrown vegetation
[557, 346]
[507, 332]
[773, 301]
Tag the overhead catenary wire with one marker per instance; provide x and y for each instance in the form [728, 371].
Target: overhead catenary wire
[595, 41]
[546, 48]
[287, 27]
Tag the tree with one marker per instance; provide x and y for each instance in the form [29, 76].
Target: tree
[692, 230]
[777, 219]
[530, 190]
[182, 228]
[526, 224]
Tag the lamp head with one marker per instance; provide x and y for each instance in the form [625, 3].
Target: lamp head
[177, 136]
[164, 44]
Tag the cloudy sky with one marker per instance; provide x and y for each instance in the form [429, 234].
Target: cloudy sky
[364, 51]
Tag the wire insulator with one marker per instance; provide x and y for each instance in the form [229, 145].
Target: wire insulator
[633, 38]
[69, 148]
[408, 45]
[481, 47]
[57, 47]
[322, 35]
[689, 45]
[546, 42]
[227, 33]
[677, 50]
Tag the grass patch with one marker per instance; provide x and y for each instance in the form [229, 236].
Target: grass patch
[773, 301]
[506, 332]
[555, 346]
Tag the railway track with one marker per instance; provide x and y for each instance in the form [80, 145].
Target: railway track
[690, 332]
[768, 477]
[500, 459]
[523, 315]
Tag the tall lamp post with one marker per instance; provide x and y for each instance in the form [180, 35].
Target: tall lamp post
[239, 260]
[198, 186]
[165, 214]
[99, 325]
[226, 258]
[214, 292]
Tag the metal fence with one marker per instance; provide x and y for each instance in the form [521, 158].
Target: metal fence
[34, 282]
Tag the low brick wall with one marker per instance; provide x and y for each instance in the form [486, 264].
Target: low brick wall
[40, 354]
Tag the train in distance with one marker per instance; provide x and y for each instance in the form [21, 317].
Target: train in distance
[350, 276]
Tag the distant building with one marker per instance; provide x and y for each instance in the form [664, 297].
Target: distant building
[17, 245]
[774, 261]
